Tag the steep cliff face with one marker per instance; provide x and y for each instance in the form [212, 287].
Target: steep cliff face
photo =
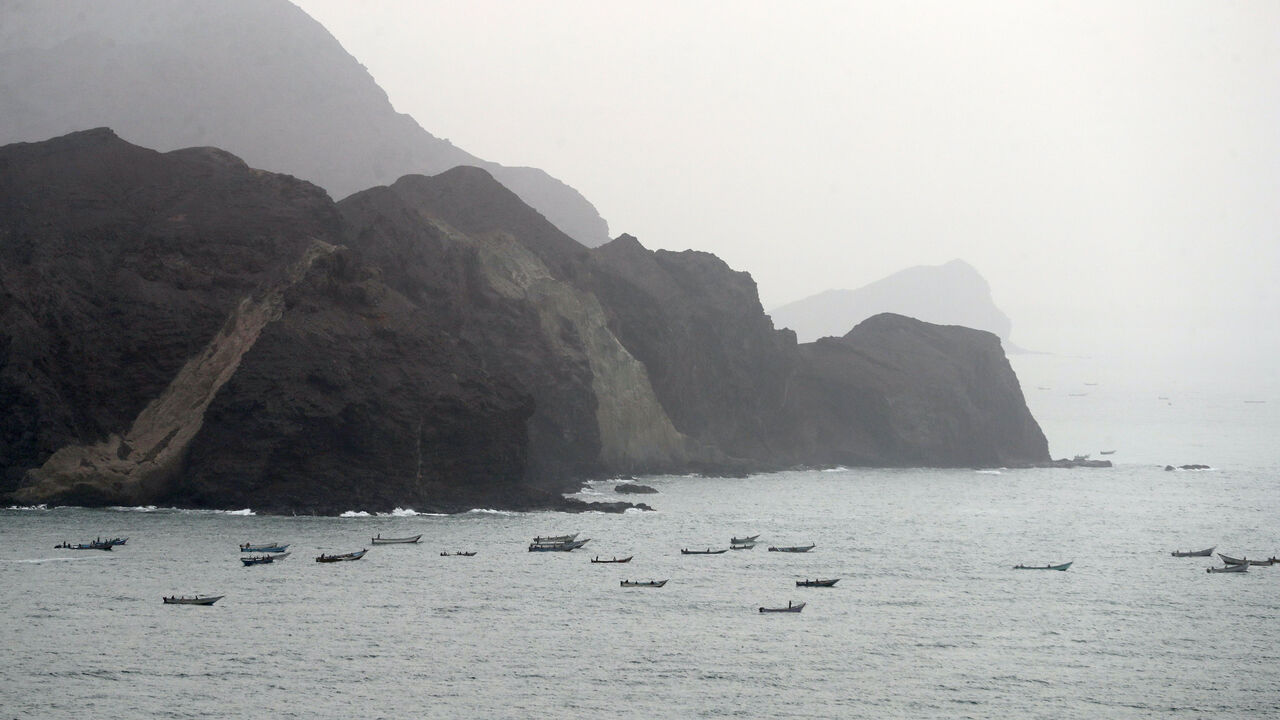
[513, 301]
[257, 77]
[898, 391]
[117, 266]
[180, 328]
[716, 363]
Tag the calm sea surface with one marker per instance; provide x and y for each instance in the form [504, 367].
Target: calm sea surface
[928, 619]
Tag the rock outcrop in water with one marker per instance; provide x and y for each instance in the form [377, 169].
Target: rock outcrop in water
[179, 328]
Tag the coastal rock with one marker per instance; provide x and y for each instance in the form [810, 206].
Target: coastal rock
[634, 489]
[182, 329]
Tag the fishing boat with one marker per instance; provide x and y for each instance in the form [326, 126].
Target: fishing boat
[1245, 561]
[791, 607]
[636, 583]
[817, 583]
[194, 600]
[742, 546]
[460, 553]
[1107, 452]
[556, 538]
[1063, 567]
[264, 559]
[1195, 553]
[793, 548]
[342, 558]
[626, 559]
[558, 545]
[270, 547]
[708, 551]
[82, 546]
[379, 540]
[116, 541]
[1229, 569]
[743, 540]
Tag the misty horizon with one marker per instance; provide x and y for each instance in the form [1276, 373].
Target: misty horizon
[1108, 169]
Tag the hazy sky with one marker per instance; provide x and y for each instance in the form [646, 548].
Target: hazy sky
[1113, 169]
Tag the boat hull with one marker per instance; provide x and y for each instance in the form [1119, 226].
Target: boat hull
[1061, 567]
[788, 609]
[1195, 553]
[651, 583]
[264, 548]
[192, 600]
[395, 541]
[793, 549]
[817, 583]
[341, 558]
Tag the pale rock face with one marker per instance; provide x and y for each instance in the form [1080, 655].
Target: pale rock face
[635, 432]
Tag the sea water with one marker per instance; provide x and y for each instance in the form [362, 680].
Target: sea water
[928, 619]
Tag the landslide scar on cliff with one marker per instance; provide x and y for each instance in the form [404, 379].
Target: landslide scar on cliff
[134, 467]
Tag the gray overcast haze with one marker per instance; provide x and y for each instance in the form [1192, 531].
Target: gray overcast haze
[1112, 169]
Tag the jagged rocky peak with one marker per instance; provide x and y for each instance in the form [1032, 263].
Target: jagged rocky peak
[259, 78]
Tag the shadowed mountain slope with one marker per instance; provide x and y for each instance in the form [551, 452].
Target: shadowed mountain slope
[259, 78]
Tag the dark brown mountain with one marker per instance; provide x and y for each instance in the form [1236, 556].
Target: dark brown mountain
[180, 328]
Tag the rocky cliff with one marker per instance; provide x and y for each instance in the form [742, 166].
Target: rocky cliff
[259, 78]
[180, 328]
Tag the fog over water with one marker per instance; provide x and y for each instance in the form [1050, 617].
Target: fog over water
[1111, 170]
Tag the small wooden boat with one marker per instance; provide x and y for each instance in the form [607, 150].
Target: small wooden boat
[460, 553]
[817, 583]
[1107, 452]
[793, 548]
[115, 541]
[626, 559]
[194, 600]
[791, 607]
[1245, 561]
[83, 546]
[264, 559]
[708, 551]
[1229, 569]
[742, 546]
[1195, 553]
[342, 558]
[1063, 567]
[743, 540]
[379, 540]
[636, 583]
[558, 545]
[264, 547]
[556, 538]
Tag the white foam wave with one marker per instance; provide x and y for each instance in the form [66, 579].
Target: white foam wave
[490, 511]
[401, 512]
[41, 506]
[988, 472]
[139, 508]
[838, 468]
[355, 514]
[245, 512]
